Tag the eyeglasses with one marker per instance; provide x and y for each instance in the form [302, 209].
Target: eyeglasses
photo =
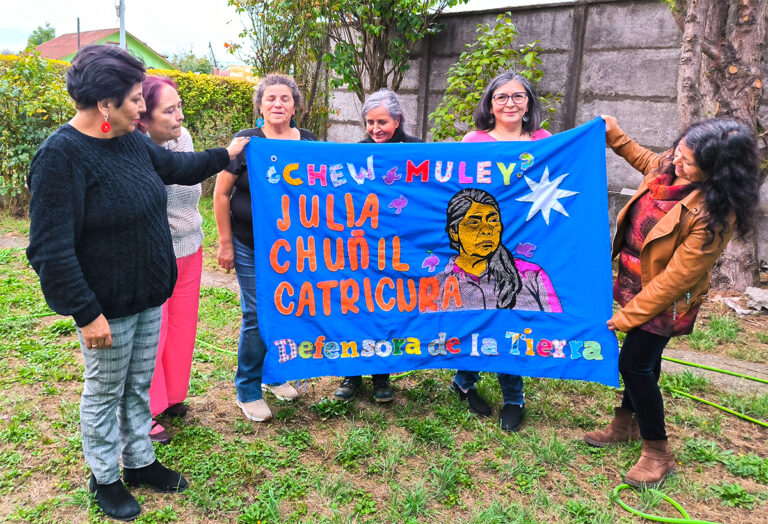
[502, 98]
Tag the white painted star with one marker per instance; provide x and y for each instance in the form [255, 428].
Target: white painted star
[544, 196]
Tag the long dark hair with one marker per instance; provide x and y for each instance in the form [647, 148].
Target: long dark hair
[501, 264]
[726, 151]
[484, 119]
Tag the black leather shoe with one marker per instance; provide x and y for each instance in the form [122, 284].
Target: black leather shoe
[115, 500]
[511, 417]
[156, 476]
[382, 389]
[348, 388]
[476, 403]
[177, 410]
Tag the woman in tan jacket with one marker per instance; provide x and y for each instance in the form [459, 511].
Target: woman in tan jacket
[668, 238]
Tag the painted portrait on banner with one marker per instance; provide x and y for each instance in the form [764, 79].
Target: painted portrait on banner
[483, 256]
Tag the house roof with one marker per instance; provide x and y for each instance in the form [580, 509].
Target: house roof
[66, 44]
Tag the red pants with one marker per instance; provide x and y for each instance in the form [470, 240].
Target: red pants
[170, 382]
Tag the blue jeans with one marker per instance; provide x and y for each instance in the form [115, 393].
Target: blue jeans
[251, 349]
[511, 385]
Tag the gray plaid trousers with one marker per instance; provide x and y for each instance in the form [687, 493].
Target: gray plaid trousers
[117, 382]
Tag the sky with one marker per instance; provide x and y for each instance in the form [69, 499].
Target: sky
[167, 26]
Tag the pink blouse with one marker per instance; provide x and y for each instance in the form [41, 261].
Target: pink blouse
[484, 136]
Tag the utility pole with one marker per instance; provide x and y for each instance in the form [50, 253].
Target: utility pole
[78, 34]
[213, 57]
[120, 8]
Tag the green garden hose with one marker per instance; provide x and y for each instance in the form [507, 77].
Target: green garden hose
[211, 346]
[718, 370]
[718, 406]
[656, 518]
[25, 317]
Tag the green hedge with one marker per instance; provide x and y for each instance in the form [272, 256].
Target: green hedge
[34, 102]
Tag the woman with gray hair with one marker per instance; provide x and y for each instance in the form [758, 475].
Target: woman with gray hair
[277, 98]
[383, 118]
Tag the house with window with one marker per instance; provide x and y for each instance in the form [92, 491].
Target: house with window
[65, 48]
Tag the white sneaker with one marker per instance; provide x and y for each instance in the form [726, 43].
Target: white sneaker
[258, 411]
[282, 391]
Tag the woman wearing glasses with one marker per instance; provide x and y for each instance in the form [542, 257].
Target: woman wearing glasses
[508, 111]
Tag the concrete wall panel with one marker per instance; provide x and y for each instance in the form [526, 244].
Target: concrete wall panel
[632, 72]
[645, 24]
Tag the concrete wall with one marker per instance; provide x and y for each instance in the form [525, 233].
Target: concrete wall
[616, 57]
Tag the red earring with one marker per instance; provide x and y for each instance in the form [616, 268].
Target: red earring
[106, 127]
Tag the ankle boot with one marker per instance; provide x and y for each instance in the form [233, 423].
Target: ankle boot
[114, 499]
[156, 476]
[622, 428]
[655, 464]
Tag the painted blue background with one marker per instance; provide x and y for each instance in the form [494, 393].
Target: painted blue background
[573, 250]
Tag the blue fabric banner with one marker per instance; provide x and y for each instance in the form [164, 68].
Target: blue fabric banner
[378, 258]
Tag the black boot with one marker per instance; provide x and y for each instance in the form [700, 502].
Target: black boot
[348, 388]
[114, 499]
[382, 388]
[157, 476]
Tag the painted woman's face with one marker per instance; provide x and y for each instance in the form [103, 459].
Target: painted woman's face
[479, 232]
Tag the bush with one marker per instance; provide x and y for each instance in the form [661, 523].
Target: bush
[492, 53]
[215, 108]
[34, 102]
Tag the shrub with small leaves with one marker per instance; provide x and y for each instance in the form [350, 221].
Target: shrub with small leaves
[749, 465]
[734, 495]
[33, 103]
[328, 407]
[493, 52]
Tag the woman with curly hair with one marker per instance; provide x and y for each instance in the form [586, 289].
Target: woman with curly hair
[668, 238]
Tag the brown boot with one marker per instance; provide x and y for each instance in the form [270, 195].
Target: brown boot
[622, 428]
[655, 464]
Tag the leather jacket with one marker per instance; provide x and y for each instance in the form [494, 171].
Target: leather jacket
[675, 263]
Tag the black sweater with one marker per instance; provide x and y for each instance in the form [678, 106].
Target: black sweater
[398, 136]
[99, 236]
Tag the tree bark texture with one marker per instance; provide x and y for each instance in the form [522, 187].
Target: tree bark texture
[720, 75]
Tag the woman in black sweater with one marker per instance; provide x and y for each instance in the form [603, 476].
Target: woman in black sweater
[100, 243]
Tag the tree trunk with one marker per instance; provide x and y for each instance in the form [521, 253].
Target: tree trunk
[689, 70]
[720, 75]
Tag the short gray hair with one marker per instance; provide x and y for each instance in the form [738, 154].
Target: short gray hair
[274, 79]
[387, 98]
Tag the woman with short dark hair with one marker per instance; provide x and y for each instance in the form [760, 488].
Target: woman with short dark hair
[100, 243]
[692, 199]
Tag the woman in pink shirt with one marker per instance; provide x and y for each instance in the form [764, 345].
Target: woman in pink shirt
[509, 111]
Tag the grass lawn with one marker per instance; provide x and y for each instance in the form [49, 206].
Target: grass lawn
[423, 458]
